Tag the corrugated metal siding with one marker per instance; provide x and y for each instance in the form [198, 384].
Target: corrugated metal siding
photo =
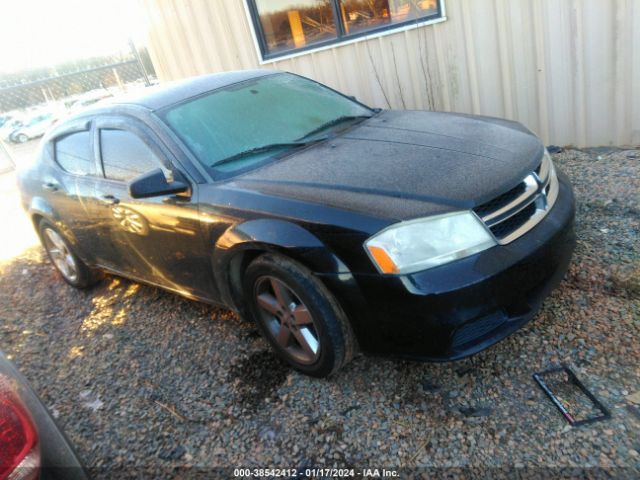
[567, 69]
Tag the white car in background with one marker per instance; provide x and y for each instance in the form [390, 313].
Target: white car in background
[10, 126]
[34, 127]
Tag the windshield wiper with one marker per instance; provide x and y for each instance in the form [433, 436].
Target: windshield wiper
[261, 149]
[332, 123]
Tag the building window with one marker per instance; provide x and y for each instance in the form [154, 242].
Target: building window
[287, 26]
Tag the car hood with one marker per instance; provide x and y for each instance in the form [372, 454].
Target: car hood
[406, 164]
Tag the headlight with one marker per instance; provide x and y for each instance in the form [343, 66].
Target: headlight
[416, 245]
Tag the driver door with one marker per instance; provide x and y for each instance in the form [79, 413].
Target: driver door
[157, 239]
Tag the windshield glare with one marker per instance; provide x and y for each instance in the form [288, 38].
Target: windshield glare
[275, 109]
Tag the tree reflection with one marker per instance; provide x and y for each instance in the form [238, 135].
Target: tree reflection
[296, 23]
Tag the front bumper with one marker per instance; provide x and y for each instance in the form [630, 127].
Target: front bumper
[453, 311]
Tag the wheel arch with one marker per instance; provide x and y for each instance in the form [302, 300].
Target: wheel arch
[242, 243]
[40, 209]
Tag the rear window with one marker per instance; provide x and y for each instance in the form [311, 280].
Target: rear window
[74, 155]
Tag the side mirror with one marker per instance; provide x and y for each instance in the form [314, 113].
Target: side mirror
[154, 184]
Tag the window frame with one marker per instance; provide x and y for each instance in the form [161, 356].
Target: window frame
[71, 129]
[265, 57]
[133, 127]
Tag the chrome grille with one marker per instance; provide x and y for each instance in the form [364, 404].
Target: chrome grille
[513, 213]
[501, 200]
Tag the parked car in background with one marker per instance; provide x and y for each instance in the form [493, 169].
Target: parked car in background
[9, 127]
[88, 99]
[4, 119]
[34, 127]
[79, 103]
[32, 446]
[330, 224]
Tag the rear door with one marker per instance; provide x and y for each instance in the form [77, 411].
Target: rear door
[153, 239]
[69, 186]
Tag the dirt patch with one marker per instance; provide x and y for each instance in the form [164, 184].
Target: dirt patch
[257, 378]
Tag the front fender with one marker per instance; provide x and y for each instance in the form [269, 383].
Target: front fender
[276, 236]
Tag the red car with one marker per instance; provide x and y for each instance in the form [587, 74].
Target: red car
[32, 446]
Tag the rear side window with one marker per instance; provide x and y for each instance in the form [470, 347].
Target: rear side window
[125, 156]
[74, 155]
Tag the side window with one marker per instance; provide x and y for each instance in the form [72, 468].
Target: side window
[74, 154]
[125, 155]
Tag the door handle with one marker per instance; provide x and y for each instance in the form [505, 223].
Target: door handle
[50, 186]
[109, 199]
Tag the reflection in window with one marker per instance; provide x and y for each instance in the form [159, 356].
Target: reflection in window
[291, 24]
[74, 154]
[284, 108]
[361, 15]
[283, 26]
[125, 156]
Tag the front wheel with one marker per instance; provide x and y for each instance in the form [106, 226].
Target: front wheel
[22, 138]
[299, 317]
[73, 270]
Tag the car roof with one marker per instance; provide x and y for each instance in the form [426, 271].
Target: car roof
[170, 93]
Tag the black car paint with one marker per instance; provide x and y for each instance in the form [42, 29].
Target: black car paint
[317, 206]
[418, 315]
[403, 165]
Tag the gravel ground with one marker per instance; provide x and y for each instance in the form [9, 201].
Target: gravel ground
[145, 381]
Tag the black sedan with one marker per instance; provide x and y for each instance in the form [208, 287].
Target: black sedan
[333, 226]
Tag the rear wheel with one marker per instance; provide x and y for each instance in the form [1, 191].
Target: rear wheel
[299, 317]
[73, 270]
[22, 138]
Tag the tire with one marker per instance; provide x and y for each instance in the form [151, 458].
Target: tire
[73, 270]
[22, 138]
[313, 315]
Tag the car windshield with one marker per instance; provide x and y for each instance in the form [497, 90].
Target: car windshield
[240, 126]
[39, 118]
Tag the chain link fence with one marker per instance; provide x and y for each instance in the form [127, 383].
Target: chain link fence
[31, 102]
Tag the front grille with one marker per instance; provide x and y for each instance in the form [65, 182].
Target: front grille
[501, 200]
[511, 224]
[513, 213]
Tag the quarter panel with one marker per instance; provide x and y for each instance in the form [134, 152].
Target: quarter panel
[65, 205]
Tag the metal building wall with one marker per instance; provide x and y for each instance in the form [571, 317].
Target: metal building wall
[567, 69]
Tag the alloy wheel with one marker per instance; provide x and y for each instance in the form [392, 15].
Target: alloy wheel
[288, 320]
[60, 254]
